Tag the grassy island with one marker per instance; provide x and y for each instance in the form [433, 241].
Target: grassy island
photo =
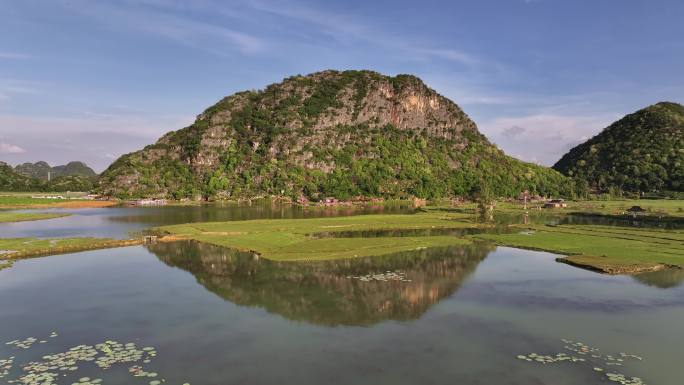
[22, 217]
[304, 239]
[12, 249]
[26, 200]
[608, 249]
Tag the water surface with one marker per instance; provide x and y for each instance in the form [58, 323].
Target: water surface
[459, 316]
[121, 222]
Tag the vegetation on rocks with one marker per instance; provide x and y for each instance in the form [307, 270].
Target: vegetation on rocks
[642, 152]
[341, 134]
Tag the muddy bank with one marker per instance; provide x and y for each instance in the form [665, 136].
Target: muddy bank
[590, 263]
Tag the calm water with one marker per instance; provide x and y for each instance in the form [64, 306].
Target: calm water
[458, 315]
[120, 222]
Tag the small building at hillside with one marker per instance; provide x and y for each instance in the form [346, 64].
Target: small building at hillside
[636, 210]
[525, 196]
[555, 204]
[148, 202]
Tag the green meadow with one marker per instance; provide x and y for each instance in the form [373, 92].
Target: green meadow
[296, 239]
[609, 249]
[18, 248]
[21, 217]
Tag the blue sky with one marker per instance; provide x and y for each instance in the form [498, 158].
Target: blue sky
[91, 80]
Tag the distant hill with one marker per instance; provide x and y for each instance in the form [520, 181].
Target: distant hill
[328, 134]
[74, 176]
[12, 181]
[70, 183]
[41, 169]
[38, 170]
[642, 152]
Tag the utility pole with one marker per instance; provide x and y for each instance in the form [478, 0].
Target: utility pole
[48, 176]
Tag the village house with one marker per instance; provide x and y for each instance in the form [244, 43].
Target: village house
[555, 204]
[636, 210]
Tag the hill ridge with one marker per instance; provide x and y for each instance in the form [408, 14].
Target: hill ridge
[330, 133]
[641, 152]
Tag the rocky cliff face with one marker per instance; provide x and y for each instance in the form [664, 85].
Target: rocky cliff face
[329, 133]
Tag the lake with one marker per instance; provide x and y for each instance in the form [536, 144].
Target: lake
[457, 315]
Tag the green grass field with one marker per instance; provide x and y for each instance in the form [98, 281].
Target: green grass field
[605, 248]
[26, 201]
[12, 249]
[613, 249]
[21, 217]
[16, 200]
[292, 240]
[653, 207]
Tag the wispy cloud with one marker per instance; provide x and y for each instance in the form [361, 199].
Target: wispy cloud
[346, 29]
[451, 55]
[8, 148]
[89, 122]
[211, 37]
[202, 35]
[8, 88]
[12, 55]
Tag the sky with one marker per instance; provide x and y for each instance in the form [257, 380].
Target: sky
[92, 80]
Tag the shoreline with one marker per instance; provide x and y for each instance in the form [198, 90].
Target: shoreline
[67, 204]
[616, 269]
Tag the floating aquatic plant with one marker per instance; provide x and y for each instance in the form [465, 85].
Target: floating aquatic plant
[382, 277]
[585, 353]
[5, 366]
[23, 344]
[104, 355]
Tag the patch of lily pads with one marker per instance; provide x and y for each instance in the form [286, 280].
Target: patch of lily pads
[382, 277]
[598, 361]
[5, 366]
[105, 355]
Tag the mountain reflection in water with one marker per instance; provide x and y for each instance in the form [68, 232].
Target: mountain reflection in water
[322, 292]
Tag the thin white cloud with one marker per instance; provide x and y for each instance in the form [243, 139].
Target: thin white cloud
[92, 123]
[451, 55]
[11, 87]
[202, 35]
[347, 29]
[13, 55]
[8, 148]
[210, 37]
